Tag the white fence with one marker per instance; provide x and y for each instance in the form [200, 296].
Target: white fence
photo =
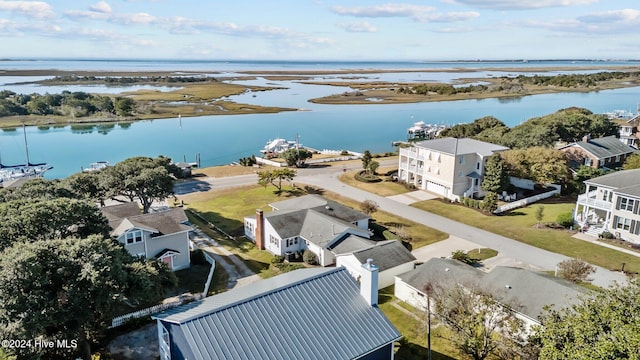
[527, 201]
[120, 320]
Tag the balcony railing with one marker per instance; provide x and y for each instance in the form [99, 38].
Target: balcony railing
[591, 201]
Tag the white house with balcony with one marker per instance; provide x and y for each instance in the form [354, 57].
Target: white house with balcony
[450, 167]
[611, 203]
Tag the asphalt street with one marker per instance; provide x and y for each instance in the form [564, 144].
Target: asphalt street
[327, 178]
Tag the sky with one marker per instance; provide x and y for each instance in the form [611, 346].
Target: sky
[340, 30]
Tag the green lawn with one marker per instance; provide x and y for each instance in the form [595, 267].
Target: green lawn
[521, 224]
[414, 330]
[227, 209]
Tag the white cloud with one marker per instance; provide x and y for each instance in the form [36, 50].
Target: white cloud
[101, 7]
[414, 12]
[360, 26]
[613, 16]
[386, 10]
[126, 18]
[520, 4]
[34, 9]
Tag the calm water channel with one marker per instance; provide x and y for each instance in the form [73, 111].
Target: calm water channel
[224, 139]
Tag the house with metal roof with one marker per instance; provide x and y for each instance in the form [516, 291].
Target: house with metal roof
[523, 291]
[309, 222]
[391, 257]
[161, 235]
[606, 152]
[450, 167]
[319, 313]
[611, 202]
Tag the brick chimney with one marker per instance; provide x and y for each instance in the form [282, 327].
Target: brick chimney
[259, 229]
[369, 283]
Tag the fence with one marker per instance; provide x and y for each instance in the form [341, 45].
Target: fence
[121, 320]
[210, 225]
[527, 201]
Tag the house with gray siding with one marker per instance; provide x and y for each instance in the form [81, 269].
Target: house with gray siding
[160, 235]
[318, 313]
[309, 222]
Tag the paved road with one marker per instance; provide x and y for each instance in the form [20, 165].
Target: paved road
[327, 178]
[538, 258]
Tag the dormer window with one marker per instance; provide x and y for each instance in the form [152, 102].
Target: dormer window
[133, 237]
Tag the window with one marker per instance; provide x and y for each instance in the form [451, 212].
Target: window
[274, 240]
[626, 204]
[623, 223]
[461, 159]
[133, 237]
[617, 158]
[478, 166]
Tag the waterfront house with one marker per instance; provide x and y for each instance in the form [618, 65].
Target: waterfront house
[319, 313]
[524, 292]
[611, 203]
[391, 257]
[312, 223]
[450, 167]
[602, 153]
[160, 235]
[629, 132]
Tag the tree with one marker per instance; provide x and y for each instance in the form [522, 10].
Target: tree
[479, 324]
[296, 157]
[575, 270]
[139, 178]
[69, 289]
[632, 162]
[369, 207]
[123, 106]
[373, 167]
[45, 219]
[366, 160]
[539, 214]
[540, 164]
[490, 202]
[495, 175]
[604, 325]
[85, 185]
[275, 177]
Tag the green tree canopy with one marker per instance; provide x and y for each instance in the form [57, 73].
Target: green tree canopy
[540, 164]
[139, 178]
[605, 325]
[632, 162]
[276, 177]
[44, 219]
[495, 175]
[296, 157]
[69, 289]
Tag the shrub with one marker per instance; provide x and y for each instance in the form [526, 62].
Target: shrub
[344, 153]
[565, 219]
[277, 259]
[197, 258]
[575, 270]
[462, 256]
[607, 235]
[309, 258]
[365, 177]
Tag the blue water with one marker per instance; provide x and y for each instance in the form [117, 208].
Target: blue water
[224, 139]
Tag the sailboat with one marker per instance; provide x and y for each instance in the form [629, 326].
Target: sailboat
[21, 171]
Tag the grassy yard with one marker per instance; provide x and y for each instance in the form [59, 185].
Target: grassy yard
[414, 330]
[226, 208]
[521, 224]
[382, 188]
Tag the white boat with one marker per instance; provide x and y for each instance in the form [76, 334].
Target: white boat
[422, 131]
[620, 114]
[28, 170]
[96, 166]
[279, 145]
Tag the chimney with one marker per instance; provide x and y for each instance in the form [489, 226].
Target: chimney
[259, 229]
[369, 283]
[586, 138]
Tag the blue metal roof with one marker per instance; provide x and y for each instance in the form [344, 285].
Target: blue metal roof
[305, 314]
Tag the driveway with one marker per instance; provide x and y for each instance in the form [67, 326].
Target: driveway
[414, 196]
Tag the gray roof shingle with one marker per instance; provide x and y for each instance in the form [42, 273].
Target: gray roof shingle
[305, 314]
[454, 146]
[523, 290]
[623, 182]
[604, 147]
[386, 255]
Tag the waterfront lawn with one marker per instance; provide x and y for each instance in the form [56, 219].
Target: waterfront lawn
[521, 225]
[226, 208]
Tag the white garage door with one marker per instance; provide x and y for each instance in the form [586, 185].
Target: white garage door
[436, 188]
